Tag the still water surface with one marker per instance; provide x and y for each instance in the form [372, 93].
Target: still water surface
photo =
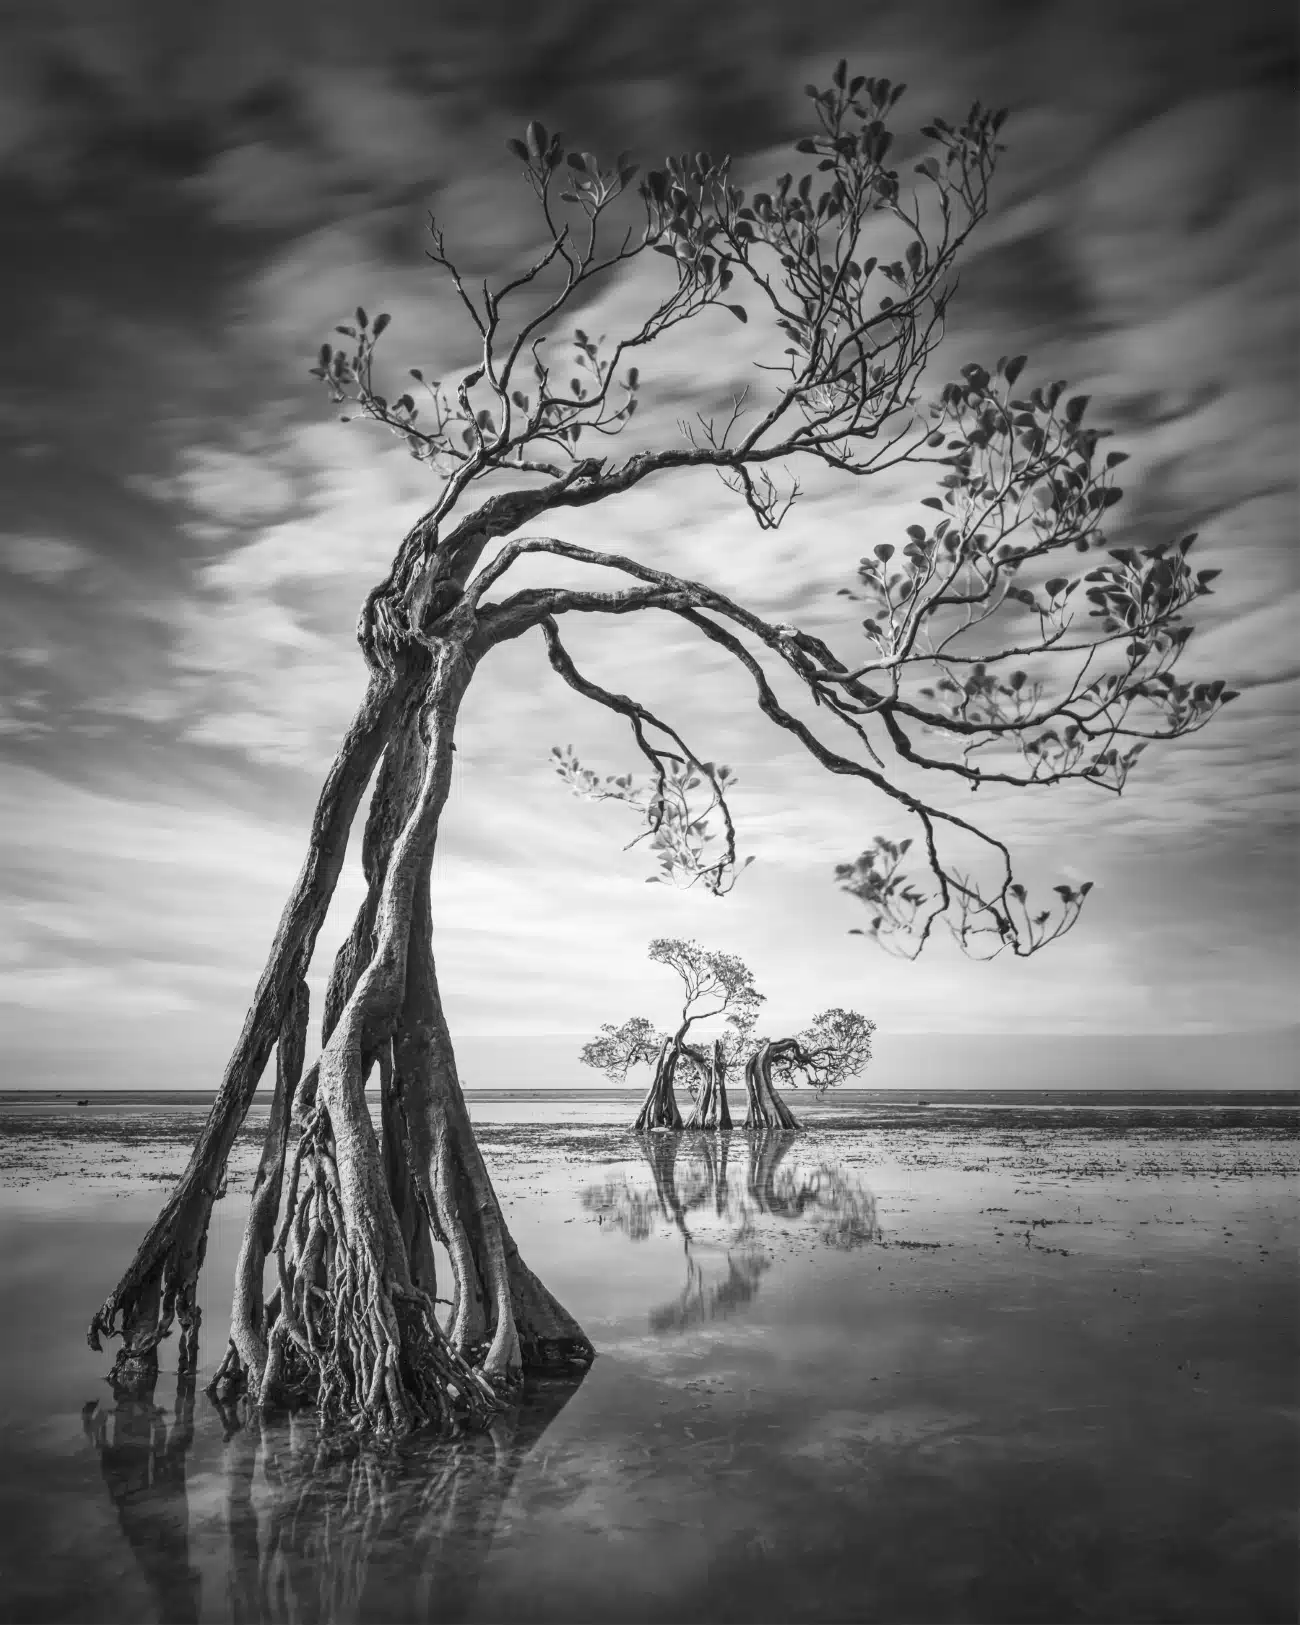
[965, 1373]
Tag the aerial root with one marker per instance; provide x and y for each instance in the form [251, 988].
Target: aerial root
[350, 1334]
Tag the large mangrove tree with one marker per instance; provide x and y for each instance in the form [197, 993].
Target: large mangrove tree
[1001, 644]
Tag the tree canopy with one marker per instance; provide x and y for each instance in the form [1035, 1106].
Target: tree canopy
[982, 655]
[835, 1046]
[713, 984]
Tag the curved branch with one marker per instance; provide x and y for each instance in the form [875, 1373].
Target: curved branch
[640, 718]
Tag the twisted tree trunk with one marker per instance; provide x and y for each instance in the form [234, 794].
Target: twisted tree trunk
[501, 1312]
[766, 1108]
[160, 1283]
[711, 1106]
[352, 1324]
[355, 1331]
[249, 1326]
[659, 1108]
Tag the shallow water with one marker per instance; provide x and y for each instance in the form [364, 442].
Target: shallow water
[949, 1367]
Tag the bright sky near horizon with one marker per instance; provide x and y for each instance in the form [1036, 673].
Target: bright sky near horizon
[193, 199]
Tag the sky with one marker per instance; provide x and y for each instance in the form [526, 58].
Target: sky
[195, 195]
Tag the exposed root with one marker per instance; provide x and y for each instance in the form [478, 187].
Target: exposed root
[352, 1334]
[356, 1330]
[351, 1327]
[160, 1285]
[245, 1359]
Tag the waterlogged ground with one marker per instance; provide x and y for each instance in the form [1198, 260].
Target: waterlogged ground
[1005, 1359]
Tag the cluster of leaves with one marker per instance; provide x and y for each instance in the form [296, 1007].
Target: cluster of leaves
[683, 836]
[616, 1050]
[835, 1046]
[878, 880]
[722, 982]
[983, 927]
[1076, 729]
[985, 931]
[457, 432]
[855, 353]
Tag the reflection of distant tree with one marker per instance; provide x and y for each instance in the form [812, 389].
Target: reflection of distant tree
[841, 1209]
[321, 1526]
[696, 1191]
[143, 1462]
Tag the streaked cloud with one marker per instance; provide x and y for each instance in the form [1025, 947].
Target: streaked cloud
[188, 534]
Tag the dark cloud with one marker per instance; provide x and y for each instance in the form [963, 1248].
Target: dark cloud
[190, 196]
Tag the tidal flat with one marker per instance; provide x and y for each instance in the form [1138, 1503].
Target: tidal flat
[980, 1357]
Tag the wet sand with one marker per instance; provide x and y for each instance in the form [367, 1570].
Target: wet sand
[963, 1360]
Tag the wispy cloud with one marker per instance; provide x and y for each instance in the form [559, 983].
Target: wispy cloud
[188, 535]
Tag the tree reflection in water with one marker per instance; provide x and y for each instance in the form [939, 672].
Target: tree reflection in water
[717, 1208]
[319, 1526]
[143, 1462]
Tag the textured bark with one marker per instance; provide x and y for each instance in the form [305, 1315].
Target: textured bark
[348, 1214]
[354, 1328]
[403, 1182]
[711, 1109]
[357, 1329]
[160, 1284]
[500, 1310]
[248, 1322]
[659, 1108]
[766, 1108]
